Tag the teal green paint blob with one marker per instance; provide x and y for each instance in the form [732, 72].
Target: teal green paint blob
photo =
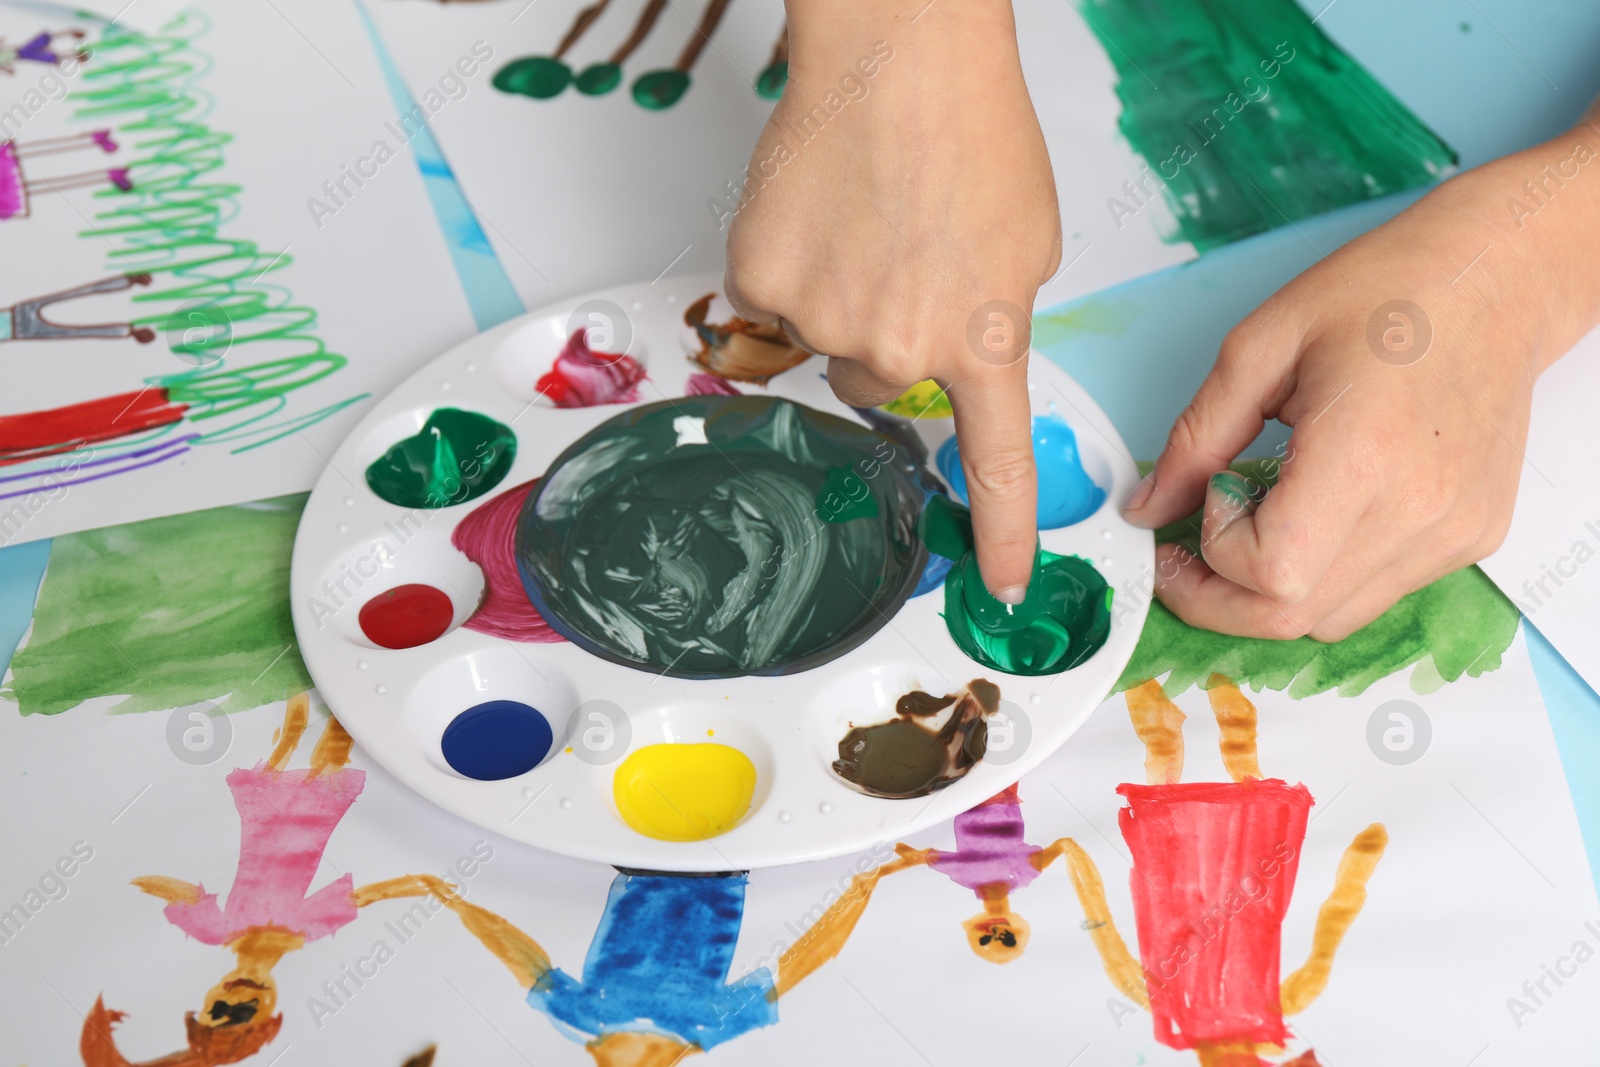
[694, 537]
[770, 82]
[1064, 620]
[457, 456]
[540, 77]
[660, 89]
[597, 79]
[1249, 116]
[845, 496]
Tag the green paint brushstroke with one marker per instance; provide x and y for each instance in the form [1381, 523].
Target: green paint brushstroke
[1250, 117]
[170, 611]
[1459, 625]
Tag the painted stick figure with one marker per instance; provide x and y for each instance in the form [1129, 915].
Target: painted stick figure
[16, 188]
[544, 77]
[1214, 867]
[286, 818]
[25, 321]
[993, 859]
[42, 48]
[654, 986]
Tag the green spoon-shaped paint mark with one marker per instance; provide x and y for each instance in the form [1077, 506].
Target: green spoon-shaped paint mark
[660, 89]
[540, 77]
[597, 79]
[457, 456]
[770, 82]
[1064, 620]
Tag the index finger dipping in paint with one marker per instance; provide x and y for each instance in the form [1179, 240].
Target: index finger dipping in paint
[994, 428]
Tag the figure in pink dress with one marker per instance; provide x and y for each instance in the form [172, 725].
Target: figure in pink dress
[286, 818]
[16, 188]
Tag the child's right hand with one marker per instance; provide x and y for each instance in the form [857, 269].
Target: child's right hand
[907, 236]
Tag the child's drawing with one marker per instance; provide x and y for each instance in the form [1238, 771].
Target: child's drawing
[286, 818]
[42, 47]
[25, 321]
[16, 188]
[544, 77]
[992, 858]
[1214, 867]
[205, 289]
[654, 986]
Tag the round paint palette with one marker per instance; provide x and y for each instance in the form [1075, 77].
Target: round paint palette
[589, 582]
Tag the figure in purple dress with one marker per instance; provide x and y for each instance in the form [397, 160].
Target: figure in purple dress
[992, 858]
[42, 48]
[16, 188]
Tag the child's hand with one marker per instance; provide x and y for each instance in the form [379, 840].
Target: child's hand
[1409, 419]
[900, 218]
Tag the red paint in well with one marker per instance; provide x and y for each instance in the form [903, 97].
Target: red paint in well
[1214, 865]
[35, 434]
[583, 378]
[406, 616]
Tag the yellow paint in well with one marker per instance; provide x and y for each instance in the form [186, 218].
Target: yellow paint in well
[684, 792]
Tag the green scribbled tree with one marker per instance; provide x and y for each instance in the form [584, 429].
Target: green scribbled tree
[1459, 625]
[168, 612]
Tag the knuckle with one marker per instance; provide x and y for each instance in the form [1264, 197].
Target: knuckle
[1188, 431]
[1005, 472]
[1279, 579]
[1286, 625]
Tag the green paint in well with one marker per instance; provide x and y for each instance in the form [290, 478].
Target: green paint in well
[1460, 625]
[597, 79]
[166, 613]
[770, 82]
[660, 89]
[540, 77]
[457, 456]
[1064, 620]
[693, 537]
[1250, 116]
[845, 496]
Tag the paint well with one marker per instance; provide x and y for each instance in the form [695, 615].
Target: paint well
[1067, 494]
[406, 616]
[740, 350]
[931, 742]
[582, 377]
[497, 739]
[1065, 618]
[457, 456]
[684, 792]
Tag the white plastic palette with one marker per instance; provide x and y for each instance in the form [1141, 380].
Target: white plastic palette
[398, 703]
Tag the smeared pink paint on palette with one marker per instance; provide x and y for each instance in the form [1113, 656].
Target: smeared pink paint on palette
[487, 537]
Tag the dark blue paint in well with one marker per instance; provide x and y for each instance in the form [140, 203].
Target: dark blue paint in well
[497, 739]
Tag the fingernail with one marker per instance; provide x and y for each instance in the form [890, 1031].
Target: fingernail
[1141, 494]
[1012, 594]
[1229, 497]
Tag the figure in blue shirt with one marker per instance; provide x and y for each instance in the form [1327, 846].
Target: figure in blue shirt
[655, 984]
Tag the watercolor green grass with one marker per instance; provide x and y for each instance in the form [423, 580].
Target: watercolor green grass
[168, 612]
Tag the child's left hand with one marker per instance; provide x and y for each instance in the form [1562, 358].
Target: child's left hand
[1405, 362]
